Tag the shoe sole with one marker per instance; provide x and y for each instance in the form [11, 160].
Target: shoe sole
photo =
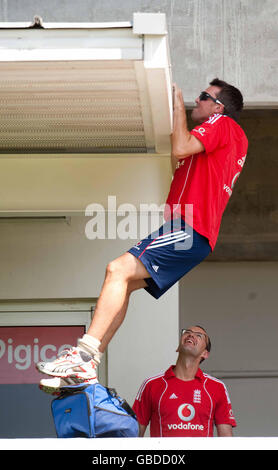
[56, 391]
[50, 390]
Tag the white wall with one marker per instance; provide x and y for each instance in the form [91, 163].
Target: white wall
[146, 343]
[70, 183]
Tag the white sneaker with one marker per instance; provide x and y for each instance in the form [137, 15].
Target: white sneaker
[53, 386]
[74, 363]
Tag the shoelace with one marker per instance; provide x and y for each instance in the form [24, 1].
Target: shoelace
[66, 353]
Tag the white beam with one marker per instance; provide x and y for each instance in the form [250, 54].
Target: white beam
[69, 44]
[159, 78]
[149, 23]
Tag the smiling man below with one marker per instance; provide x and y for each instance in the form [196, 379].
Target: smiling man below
[184, 401]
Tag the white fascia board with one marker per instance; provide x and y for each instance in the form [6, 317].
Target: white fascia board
[13, 55]
[158, 76]
[41, 44]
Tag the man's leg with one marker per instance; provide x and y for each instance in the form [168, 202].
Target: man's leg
[53, 386]
[119, 318]
[123, 275]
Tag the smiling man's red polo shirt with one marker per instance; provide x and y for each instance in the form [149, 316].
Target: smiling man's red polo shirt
[178, 408]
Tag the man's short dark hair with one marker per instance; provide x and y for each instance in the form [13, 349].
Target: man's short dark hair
[230, 97]
[208, 341]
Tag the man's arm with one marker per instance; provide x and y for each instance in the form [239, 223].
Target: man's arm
[224, 430]
[183, 143]
[142, 430]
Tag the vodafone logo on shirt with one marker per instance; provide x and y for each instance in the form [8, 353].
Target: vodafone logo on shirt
[186, 412]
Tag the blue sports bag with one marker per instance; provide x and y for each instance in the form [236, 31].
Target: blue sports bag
[92, 410]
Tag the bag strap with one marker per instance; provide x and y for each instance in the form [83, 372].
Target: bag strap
[122, 401]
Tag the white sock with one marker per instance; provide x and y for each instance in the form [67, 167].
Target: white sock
[90, 345]
[97, 357]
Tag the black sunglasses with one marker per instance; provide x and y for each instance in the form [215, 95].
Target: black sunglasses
[205, 96]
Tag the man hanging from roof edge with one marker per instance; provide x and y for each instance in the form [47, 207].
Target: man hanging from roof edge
[206, 163]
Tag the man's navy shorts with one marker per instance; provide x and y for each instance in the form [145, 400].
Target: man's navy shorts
[169, 253]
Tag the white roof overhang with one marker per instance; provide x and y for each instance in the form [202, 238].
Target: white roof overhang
[94, 88]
